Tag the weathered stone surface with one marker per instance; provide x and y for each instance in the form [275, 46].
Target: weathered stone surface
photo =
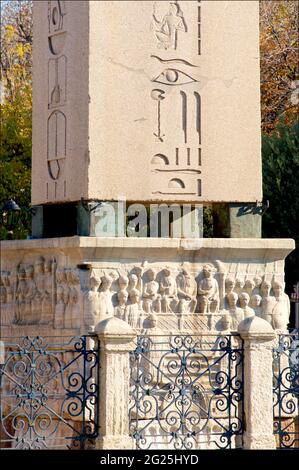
[71, 284]
[258, 338]
[146, 100]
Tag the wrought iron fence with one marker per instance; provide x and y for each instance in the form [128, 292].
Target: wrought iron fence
[49, 392]
[187, 392]
[286, 390]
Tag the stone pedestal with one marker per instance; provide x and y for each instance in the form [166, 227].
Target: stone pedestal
[116, 341]
[67, 285]
[258, 388]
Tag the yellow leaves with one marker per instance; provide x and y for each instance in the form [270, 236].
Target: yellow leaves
[10, 33]
[279, 60]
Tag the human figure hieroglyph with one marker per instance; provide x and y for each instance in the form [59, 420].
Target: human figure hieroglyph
[166, 30]
[236, 313]
[168, 291]
[151, 297]
[186, 291]
[208, 291]
[281, 307]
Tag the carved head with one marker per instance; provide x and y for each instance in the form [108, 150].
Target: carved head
[21, 272]
[122, 296]
[265, 288]
[229, 284]
[185, 273]
[123, 282]
[95, 282]
[244, 299]
[48, 266]
[133, 280]
[249, 284]
[173, 9]
[256, 300]
[29, 271]
[134, 296]
[208, 270]
[277, 288]
[166, 272]
[106, 282]
[151, 274]
[239, 284]
[226, 321]
[39, 265]
[153, 320]
[232, 299]
[258, 281]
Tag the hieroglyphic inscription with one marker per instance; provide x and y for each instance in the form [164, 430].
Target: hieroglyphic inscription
[57, 97]
[177, 73]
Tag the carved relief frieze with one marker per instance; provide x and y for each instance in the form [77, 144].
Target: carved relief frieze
[204, 296]
[41, 293]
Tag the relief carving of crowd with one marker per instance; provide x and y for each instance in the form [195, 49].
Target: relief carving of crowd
[42, 293]
[148, 293]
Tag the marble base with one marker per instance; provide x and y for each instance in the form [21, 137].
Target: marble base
[67, 285]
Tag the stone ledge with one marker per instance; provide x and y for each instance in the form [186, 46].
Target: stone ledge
[282, 245]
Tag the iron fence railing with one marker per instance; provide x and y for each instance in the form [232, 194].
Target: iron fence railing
[286, 390]
[187, 392]
[49, 392]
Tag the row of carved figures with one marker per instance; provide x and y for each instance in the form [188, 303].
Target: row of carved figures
[159, 292]
[42, 293]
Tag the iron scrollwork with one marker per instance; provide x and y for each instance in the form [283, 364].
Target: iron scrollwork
[286, 390]
[49, 393]
[187, 392]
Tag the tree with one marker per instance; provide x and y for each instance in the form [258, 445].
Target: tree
[280, 179]
[16, 107]
[279, 62]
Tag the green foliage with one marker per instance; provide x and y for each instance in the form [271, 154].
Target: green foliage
[281, 187]
[16, 121]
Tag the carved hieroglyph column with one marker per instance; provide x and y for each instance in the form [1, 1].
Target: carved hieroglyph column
[116, 341]
[258, 336]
